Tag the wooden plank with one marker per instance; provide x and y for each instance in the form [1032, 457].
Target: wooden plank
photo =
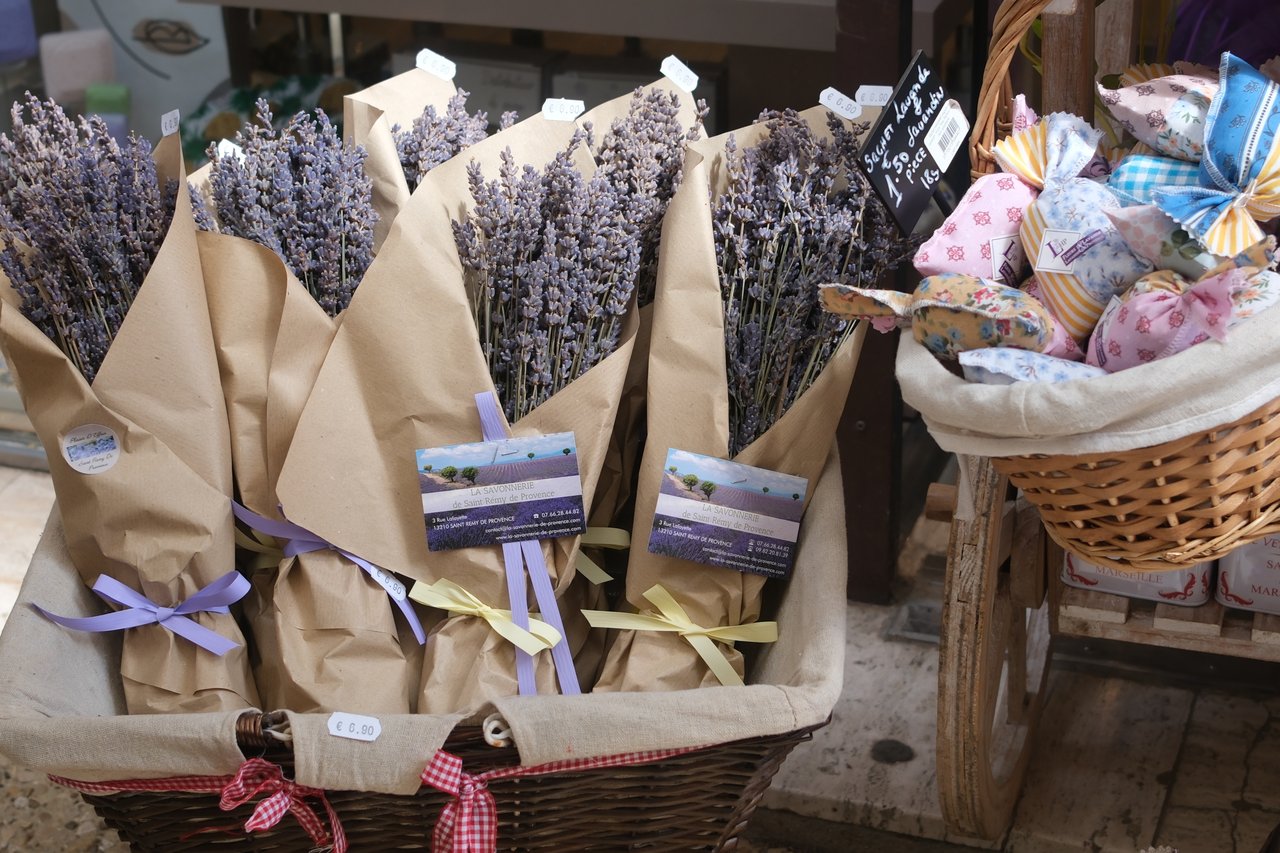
[1114, 36]
[1235, 639]
[1204, 620]
[1068, 57]
[940, 502]
[1027, 566]
[1266, 629]
[1089, 606]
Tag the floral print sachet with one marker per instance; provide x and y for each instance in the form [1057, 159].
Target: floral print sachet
[980, 237]
[1007, 366]
[1239, 182]
[1079, 257]
[951, 313]
[1166, 113]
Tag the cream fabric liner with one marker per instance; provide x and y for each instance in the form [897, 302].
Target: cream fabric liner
[61, 703]
[1205, 386]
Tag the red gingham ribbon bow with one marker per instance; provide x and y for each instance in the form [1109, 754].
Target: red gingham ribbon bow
[257, 777]
[254, 778]
[469, 822]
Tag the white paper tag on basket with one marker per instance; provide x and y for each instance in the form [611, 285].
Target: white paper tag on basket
[873, 96]
[562, 109]
[434, 63]
[840, 103]
[354, 726]
[947, 133]
[392, 584]
[170, 121]
[679, 73]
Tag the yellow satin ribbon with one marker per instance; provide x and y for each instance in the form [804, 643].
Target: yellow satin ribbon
[671, 617]
[447, 595]
[268, 551]
[1236, 228]
[613, 538]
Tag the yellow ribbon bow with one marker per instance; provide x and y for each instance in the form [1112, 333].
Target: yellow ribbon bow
[672, 617]
[447, 595]
[600, 537]
[1236, 228]
[265, 547]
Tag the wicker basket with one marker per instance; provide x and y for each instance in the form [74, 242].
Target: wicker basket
[697, 801]
[1156, 508]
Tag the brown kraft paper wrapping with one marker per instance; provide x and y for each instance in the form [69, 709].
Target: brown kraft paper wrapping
[323, 631]
[159, 520]
[367, 119]
[688, 408]
[402, 374]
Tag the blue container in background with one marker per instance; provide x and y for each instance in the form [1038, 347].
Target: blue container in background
[17, 32]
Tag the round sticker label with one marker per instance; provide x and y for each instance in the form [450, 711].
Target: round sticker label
[91, 449]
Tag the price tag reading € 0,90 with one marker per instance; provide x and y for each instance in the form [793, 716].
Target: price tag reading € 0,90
[840, 103]
[354, 726]
[562, 109]
[434, 63]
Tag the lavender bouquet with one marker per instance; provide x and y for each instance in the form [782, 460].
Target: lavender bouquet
[750, 368]
[104, 326]
[408, 124]
[288, 237]
[408, 361]
[435, 136]
[797, 213]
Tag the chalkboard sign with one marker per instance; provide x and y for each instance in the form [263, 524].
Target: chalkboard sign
[913, 142]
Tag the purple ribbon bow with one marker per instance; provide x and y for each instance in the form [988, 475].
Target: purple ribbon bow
[299, 540]
[516, 556]
[214, 598]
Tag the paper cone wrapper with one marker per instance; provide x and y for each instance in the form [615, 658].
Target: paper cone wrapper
[367, 119]
[688, 409]
[324, 632]
[159, 519]
[402, 374]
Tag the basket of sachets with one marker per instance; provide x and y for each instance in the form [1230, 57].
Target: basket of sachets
[1098, 319]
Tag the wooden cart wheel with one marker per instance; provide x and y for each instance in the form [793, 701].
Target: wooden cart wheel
[993, 653]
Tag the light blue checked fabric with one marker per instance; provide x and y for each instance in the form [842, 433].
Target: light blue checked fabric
[1138, 176]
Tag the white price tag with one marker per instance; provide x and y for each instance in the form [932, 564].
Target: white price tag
[354, 726]
[679, 73]
[389, 582]
[840, 103]
[169, 122]
[228, 150]
[946, 134]
[873, 96]
[434, 63]
[561, 109]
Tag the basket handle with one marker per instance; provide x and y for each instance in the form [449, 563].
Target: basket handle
[1013, 20]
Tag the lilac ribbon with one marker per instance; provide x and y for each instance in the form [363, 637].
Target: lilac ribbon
[299, 540]
[528, 554]
[214, 598]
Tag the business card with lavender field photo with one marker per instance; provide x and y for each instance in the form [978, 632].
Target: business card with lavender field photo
[489, 492]
[726, 514]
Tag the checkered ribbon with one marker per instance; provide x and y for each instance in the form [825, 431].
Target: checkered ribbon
[469, 822]
[255, 778]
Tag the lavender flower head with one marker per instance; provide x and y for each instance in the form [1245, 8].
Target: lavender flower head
[303, 195]
[435, 137]
[796, 213]
[82, 219]
[554, 259]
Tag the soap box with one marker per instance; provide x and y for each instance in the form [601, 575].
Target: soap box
[1249, 577]
[1187, 587]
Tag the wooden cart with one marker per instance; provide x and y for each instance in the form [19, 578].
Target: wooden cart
[1003, 602]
